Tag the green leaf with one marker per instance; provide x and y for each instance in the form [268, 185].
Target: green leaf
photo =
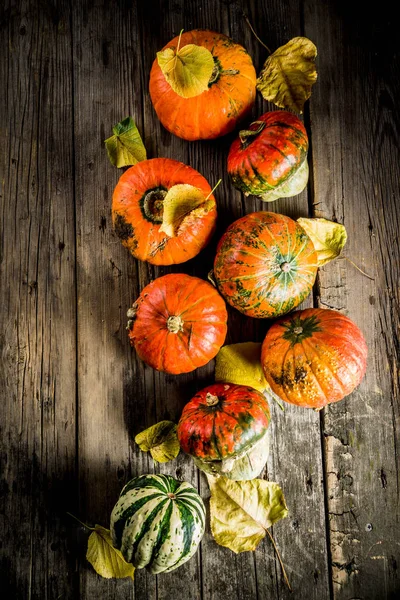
[161, 440]
[289, 73]
[242, 511]
[106, 560]
[241, 364]
[188, 70]
[125, 147]
[328, 237]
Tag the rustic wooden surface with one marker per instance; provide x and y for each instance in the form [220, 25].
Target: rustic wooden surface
[74, 393]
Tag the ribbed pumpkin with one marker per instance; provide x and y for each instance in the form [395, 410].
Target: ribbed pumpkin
[265, 264]
[231, 90]
[224, 428]
[314, 357]
[269, 159]
[157, 522]
[178, 323]
[137, 212]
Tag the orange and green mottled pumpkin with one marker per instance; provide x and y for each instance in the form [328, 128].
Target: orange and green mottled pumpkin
[265, 264]
[314, 357]
[178, 323]
[269, 159]
[230, 95]
[224, 428]
[137, 212]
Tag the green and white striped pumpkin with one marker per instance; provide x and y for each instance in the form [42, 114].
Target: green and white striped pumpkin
[157, 522]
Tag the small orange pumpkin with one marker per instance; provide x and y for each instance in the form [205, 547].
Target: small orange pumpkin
[230, 95]
[178, 323]
[137, 212]
[313, 357]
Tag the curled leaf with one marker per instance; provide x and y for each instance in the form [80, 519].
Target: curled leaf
[161, 440]
[180, 201]
[289, 73]
[125, 147]
[241, 364]
[242, 511]
[328, 237]
[106, 560]
[188, 70]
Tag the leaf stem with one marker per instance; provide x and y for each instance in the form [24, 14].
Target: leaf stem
[179, 41]
[214, 188]
[280, 560]
[254, 33]
[358, 268]
[83, 524]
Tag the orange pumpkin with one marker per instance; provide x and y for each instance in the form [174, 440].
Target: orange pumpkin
[314, 357]
[137, 212]
[178, 323]
[231, 90]
[265, 264]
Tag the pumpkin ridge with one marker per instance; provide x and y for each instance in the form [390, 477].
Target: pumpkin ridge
[282, 373]
[146, 526]
[311, 371]
[328, 367]
[162, 531]
[351, 343]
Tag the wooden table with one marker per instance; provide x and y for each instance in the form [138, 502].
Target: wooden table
[74, 394]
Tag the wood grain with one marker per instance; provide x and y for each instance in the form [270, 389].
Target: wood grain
[38, 305]
[76, 393]
[355, 147]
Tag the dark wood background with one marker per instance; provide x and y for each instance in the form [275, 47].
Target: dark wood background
[73, 393]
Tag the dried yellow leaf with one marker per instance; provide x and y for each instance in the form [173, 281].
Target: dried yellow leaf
[328, 237]
[106, 560]
[181, 200]
[289, 74]
[241, 364]
[188, 69]
[161, 440]
[242, 511]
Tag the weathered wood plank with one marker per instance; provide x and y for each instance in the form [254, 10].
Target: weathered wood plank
[38, 304]
[356, 155]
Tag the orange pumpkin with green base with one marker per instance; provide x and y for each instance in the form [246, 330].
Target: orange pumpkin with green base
[314, 357]
[269, 158]
[225, 430]
[137, 212]
[228, 98]
[178, 323]
[265, 265]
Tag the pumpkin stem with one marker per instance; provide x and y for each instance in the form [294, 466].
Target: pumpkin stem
[247, 136]
[215, 72]
[211, 399]
[254, 33]
[171, 495]
[285, 267]
[174, 324]
[152, 204]
[298, 330]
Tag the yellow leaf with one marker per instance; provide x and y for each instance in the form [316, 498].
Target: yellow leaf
[106, 560]
[289, 73]
[242, 511]
[241, 364]
[180, 201]
[188, 70]
[328, 237]
[125, 147]
[161, 440]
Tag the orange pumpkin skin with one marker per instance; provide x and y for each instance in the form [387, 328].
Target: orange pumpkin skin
[265, 264]
[314, 357]
[137, 212]
[216, 111]
[179, 323]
